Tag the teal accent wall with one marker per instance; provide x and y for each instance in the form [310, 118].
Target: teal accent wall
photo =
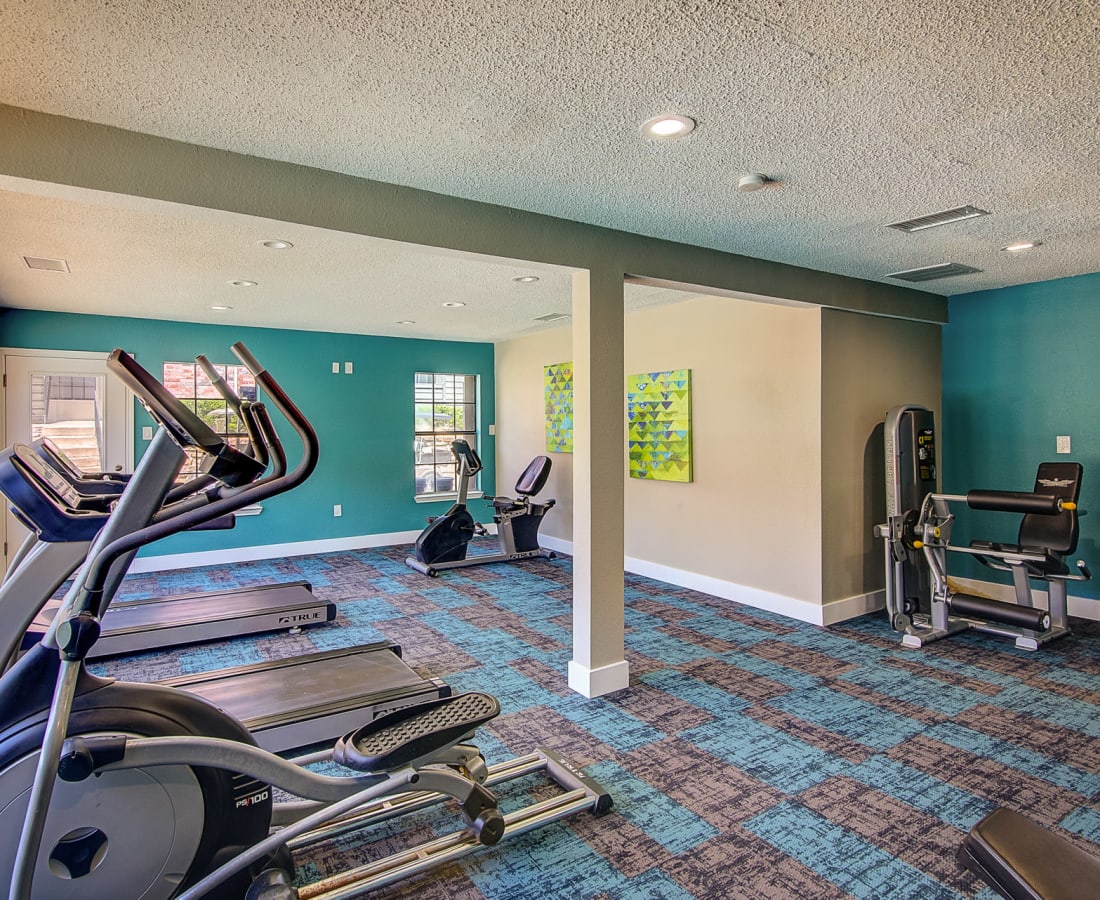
[364, 421]
[1020, 368]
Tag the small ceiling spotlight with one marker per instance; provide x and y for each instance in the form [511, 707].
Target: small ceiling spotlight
[243, 283]
[276, 245]
[220, 308]
[453, 304]
[525, 279]
[751, 182]
[668, 127]
[1021, 246]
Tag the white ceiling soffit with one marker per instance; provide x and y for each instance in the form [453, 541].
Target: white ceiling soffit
[862, 114]
[140, 258]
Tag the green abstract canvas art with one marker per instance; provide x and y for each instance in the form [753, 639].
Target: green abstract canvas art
[558, 386]
[658, 410]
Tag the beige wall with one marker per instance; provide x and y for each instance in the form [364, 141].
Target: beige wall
[752, 514]
[869, 364]
[521, 429]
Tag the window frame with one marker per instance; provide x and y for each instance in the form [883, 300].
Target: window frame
[464, 393]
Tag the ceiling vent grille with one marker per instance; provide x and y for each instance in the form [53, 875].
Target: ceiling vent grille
[941, 218]
[46, 264]
[551, 317]
[930, 273]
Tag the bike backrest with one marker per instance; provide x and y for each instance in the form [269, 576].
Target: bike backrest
[534, 477]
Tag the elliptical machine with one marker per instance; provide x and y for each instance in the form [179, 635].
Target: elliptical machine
[110, 789]
[920, 602]
[443, 544]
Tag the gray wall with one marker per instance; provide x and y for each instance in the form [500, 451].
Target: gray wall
[868, 365]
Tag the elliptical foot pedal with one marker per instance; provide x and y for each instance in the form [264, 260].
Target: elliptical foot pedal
[403, 736]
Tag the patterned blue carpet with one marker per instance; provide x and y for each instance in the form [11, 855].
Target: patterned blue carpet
[753, 756]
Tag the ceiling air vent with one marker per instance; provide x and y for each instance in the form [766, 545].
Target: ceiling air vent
[930, 273]
[941, 218]
[551, 317]
[45, 263]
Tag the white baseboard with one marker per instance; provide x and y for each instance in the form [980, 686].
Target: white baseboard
[803, 610]
[852, 607]
[269, 551]
[558, 545]
[599, 681]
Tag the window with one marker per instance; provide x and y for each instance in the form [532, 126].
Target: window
[444, 409]
[68, 409]
[189, 383]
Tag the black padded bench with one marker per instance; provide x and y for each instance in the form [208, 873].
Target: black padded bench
[1023, 861]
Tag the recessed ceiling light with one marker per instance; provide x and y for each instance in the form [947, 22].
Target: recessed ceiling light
[405, 322]
[667, 127]
[453, 304]
[221, 308]
[1021, 246]
[525, 279]
[276, 245]
[243, 283]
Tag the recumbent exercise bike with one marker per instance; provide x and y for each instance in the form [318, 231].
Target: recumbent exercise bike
[444, 543]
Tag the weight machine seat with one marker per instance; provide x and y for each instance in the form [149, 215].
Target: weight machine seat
[1024, 861]
[1052, 536]
[1051, 566]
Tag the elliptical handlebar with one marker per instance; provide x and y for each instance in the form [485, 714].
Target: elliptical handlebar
[265, 429]
[217, 501]
[243, 408]
[224, 462]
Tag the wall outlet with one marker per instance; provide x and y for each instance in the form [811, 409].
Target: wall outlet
[336, 368]
[146, 432]
[348, 368]
[1063, 444]
[492, 430]
[337, 511]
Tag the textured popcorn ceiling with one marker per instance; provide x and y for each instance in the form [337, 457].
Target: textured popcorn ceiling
[863, 112]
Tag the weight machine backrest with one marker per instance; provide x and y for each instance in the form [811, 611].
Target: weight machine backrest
[1058, 533]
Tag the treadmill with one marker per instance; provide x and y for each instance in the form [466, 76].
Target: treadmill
[288, 703]
[134, 626]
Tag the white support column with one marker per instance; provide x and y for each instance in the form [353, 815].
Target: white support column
[598, 665]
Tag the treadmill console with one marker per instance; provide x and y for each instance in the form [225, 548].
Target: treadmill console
[45, 502]
[63, 492]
